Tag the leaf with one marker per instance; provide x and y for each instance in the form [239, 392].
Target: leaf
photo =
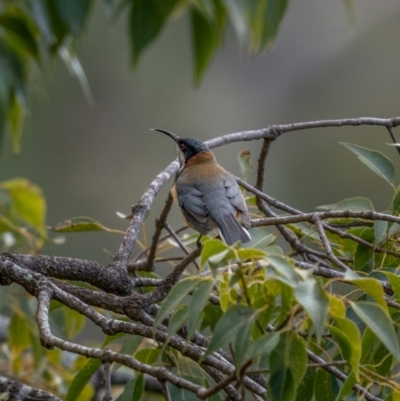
[380, 229]
[177, 320]
[82, 378]
[283, 266]
[175, 296]
[265, 344]
[396, 202]
[74, 13]
[28, 202]
[305, 391]
[349, 338]
[145, 23]
[80, 224]
[323, 386]
[313, 299]
[336, 307]
[234, 319]
[197, 304]
[357, 203]
[376, 161]
[288, 363]
[347, 387]
[273, 18]
[130, 344]
[371, 286]
[18, 25]
[16, 119]
[133, 390]
[148, 355]
[245, 163]
[19, 338]
[378, 320]
[205, 42]
[84, 375]
[75, 322]
[215, 251]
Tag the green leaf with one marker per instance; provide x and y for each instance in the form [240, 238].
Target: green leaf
[205, 42]
[305, 391]
[177, 320]
[371, 286]
[146, 21]
[348, 336]
[19, 338]
[197, 304]
[130, 344]
[28, 202]
[347, 387]
[265, 344]
[245, 163]
[18, 25]
[133, 390]
[396, 202]
[234, 319]
[16, 119]
[378, 320]
[75, 322]
[215, 251]
[288, 363]
[381, 231]
[148, 355]
[323, 386]
[73, 13]
[273, 18]
[82, 378]
[285, 268]
[175, 296]
[311, 296]
[376, 161]
[85, 374]
[80, 224]
[357, 203]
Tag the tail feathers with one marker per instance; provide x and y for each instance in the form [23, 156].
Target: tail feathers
[231, 230]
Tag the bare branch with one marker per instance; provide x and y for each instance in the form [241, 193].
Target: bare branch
[160, 222]
[107, 382]
[179, 242]
[17, 391]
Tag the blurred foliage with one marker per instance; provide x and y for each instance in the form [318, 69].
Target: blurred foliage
[34, 32]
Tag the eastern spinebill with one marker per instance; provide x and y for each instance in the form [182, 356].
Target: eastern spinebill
[207, 194]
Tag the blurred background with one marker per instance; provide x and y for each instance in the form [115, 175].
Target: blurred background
[94, 161]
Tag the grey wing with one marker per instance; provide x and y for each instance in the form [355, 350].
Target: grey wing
[194, 208]
[236, 199]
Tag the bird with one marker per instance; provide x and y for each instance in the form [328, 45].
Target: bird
[208, 195]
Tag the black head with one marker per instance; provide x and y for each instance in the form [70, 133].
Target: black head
[189, 147]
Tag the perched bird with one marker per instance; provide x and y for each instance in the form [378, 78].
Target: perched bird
[207, 194]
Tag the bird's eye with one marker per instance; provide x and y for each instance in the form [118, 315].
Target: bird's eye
[182, 146]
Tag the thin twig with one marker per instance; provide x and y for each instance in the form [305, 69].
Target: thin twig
[179, 242]
[318, 222]
[160, 221]
[107, 382]
[165, 390]
[393, 136]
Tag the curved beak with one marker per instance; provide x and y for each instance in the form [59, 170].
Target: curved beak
[170, 134]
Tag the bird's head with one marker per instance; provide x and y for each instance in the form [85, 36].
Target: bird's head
[188, 147]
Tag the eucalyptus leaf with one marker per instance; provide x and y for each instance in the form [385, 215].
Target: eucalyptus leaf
[376, 161]
[378, 320]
